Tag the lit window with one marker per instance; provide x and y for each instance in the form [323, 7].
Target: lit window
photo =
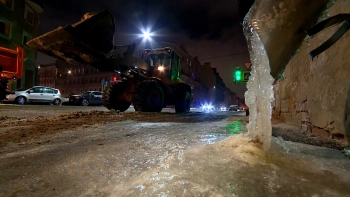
[7, 3]
[5, 28]
[29, 14]
[26, 38]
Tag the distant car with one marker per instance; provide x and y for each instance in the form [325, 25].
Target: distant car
[233, 108]
[207, 108]
[87, 98]
[36, 94]
[223, 109]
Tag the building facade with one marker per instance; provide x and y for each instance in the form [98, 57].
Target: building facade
[220, 89]
[230, 98]
[47, 75]
[19, 23]
[74, 79]
[208, 79]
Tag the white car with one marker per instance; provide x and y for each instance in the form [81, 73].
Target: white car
[36, 94]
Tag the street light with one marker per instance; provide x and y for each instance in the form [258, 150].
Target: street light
[146, 35]
[69, 72]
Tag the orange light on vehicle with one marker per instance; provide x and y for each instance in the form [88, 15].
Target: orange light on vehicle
[160, 68]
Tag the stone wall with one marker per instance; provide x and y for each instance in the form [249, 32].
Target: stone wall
[315, 95]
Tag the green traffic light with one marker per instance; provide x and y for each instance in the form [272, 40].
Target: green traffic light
[238, 75]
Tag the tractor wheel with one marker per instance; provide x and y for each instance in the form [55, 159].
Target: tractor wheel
[113, 98]
[148, 97]
[2, 89]
[2, 94]
[182, 101]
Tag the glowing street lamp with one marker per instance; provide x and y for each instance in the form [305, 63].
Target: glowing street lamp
[69, 72]
[146, 35]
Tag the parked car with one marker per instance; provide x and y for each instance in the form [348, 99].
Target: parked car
[87, 98]
[36, 94]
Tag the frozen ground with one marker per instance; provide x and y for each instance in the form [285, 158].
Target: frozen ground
[99, 153]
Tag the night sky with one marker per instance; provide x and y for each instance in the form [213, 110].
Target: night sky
[208, 29]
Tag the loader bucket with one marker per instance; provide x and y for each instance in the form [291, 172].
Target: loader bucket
[85, 42]
[281, 26]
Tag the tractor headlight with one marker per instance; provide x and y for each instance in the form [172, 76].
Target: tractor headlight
[161, 68]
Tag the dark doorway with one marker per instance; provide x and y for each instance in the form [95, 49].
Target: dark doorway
[29, 78]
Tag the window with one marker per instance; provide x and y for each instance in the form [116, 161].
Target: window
[36, 90]
[97, 93]
[29, 15]
[7, 3]
[48, 90]
[26, 38]
[5, 28]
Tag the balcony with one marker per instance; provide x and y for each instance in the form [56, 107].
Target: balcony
[37, 5]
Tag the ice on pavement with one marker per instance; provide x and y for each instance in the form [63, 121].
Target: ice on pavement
[239, 166]
[132, 158]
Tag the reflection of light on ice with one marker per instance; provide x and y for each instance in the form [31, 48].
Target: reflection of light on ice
[155, 182]
[141, 187]
[212, 138]
[209, 138]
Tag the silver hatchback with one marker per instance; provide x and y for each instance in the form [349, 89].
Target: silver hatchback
[36, 94]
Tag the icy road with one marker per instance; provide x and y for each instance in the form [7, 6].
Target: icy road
[101, 153]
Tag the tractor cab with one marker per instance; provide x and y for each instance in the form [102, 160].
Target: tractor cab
[164, 64]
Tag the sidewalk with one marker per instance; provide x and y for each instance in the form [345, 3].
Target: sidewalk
[292, 133]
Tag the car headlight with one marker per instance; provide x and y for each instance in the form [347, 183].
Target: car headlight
[207, 107]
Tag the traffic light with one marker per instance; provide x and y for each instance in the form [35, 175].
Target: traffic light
[238, 75]
[114, 79]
